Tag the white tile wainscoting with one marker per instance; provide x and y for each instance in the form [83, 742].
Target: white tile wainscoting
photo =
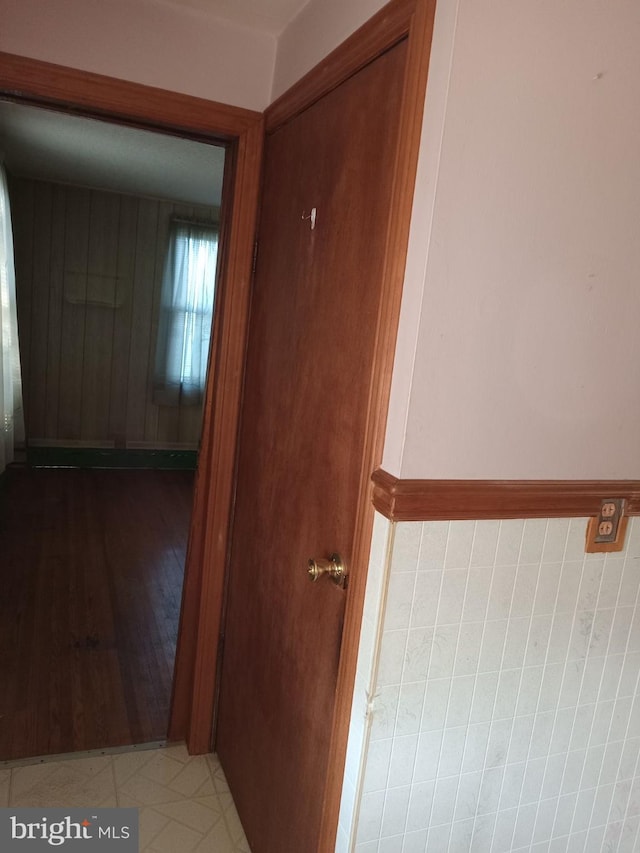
[496, 705]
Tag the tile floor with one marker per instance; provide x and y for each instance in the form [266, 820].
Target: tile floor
[184, 801]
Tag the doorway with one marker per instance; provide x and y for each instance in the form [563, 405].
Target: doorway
[32, 82]
[241, 131]
[115, 232]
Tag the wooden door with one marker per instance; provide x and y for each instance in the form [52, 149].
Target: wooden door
[314, 322]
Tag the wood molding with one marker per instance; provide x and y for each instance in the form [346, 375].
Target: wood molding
[418, 27]
[44, 84]
[225, 387]
[379, 33]
[448, 500]
[33, 82]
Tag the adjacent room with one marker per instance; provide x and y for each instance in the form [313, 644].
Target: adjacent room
[115, 232]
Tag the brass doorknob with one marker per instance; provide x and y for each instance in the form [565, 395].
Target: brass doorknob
[334, 567]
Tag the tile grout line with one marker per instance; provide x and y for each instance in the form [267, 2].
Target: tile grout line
[521, 669]
[536, 712]
[592, 726]
[565, 667]
[402, 682]
[633, 697]
[500, 667]
[460, 623]
[157, 808]
[475, 674]
[428, 668]
[575, 705]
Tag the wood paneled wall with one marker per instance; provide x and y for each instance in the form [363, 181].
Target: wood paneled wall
[89, 273]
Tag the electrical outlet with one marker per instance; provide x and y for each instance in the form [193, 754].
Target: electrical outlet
[606, 531]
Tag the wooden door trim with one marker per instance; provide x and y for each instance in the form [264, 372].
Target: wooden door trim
[33, 82]
[43, 83]
[378, 34]
[418, 27]
[449, 500]
[224, 408]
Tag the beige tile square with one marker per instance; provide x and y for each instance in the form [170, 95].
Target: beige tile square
[178, 752]
[140, 791]
[231, 818]
[151, 823]
[154, 765]
[200, 815]
[194, 780]
[179, 826]
[217, 774]
[161, 776]
[78, 782]
[32, 775]
[217, 840]
[127, 764]
[175, 837]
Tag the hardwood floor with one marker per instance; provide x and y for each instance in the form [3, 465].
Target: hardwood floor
[91, 570]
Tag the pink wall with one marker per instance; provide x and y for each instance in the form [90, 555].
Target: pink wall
[522, 296]
[319, 28]
[147, 41]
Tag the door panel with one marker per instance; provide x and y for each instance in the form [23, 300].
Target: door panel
[312, 336]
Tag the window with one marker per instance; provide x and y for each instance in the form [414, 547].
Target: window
[186, 311]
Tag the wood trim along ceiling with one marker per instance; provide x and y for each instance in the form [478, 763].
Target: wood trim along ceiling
[449, 500]
[43, 83]
[30, 81]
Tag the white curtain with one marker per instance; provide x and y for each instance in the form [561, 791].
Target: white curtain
[186, 311]
[11, 414]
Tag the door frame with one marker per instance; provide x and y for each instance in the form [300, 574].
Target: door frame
[35, 83]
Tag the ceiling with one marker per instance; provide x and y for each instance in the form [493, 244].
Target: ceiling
[270, 16]
[85, 152]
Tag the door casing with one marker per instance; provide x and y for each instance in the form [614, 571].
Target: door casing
[38, 83]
